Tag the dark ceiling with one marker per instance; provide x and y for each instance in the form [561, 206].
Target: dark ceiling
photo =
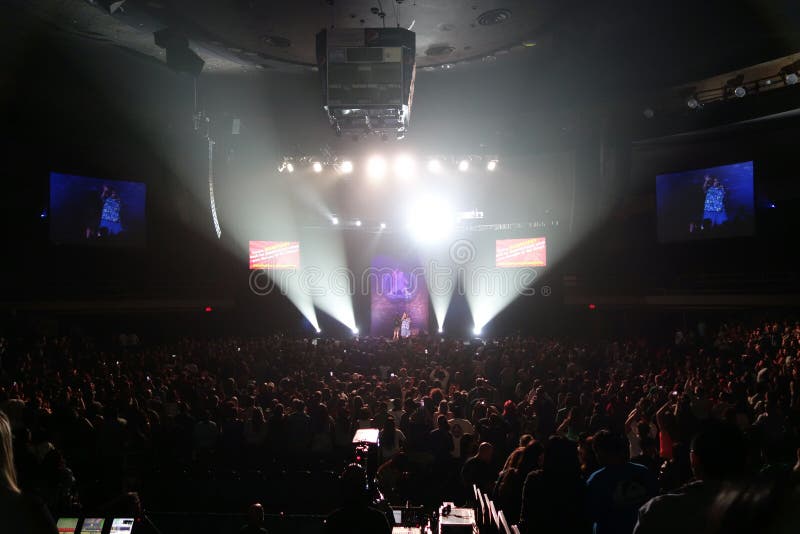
[659, 43]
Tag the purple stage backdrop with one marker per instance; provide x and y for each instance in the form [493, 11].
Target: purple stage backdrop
[396, 287]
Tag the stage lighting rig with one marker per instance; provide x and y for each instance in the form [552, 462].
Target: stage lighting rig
[368, 80]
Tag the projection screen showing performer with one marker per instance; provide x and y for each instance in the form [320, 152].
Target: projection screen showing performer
[399, 298]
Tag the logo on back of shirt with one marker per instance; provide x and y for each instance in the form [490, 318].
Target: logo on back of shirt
[629, 493]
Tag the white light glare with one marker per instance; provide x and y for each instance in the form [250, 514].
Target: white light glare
[441, 330]
[476, 331]
[334, 220]
[491, 165]
[358, 222]
[431, 220]
[319, 331]
[463, 165]
[355, 331]
[383, 226]
[404, 166]
[435, 165]
[290, 167]
[346, 167]
[317, 166]
[376, 168]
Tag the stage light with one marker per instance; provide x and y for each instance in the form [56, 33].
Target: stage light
[317, 166]
[346, 167]
[383, 226]
[790, 78]
[740, 91]
[334, 220]
[435, 166]
[404, 167]
[476, 330]
[491, 165]
[208, 309]
[692, 102]
[319, 331]
[355, 331]
[441, 330]
[290, 167]
[376, 168]
[463, 165]
[431, 219]
[357, 222]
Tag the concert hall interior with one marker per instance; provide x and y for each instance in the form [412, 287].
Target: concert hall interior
[399, 266]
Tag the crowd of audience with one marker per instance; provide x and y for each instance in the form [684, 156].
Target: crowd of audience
[615, 436]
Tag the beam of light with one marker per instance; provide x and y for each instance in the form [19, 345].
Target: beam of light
[490, 290]
[289, 283]
[441, 273]
[376, 168]
[463, 165]
[326, 278]
[491, 165]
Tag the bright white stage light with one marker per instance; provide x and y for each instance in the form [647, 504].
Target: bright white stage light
[334, 220]
[441, 330]
[491, 165]
[290, 167]
[376, 168]
[383, 226]
[476, 331]
[463, 165]
[404, 167]
[355, 331]
[357, 222]
[317, 166]
[431, 219]
[346, 167]
[319, 331]
[435, 166]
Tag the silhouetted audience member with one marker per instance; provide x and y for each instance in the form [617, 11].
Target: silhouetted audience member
[479, 469]
[717, 456]
[615, 492]
[553, 497]
[19, 513]
[356, 515]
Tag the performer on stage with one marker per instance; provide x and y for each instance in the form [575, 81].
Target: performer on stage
[405, 326]
[110, 223]
[714, 206]
[397, 323]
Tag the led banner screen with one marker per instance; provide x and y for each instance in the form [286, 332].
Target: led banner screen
[529, 252]
[274, 255]
[706, 203]
[94, 211]
[397, 288]
[121, 526]
[92, 525]
[67, 525]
